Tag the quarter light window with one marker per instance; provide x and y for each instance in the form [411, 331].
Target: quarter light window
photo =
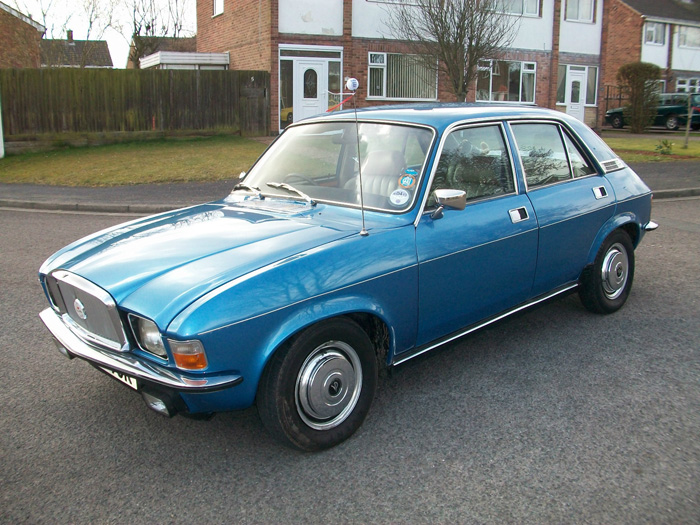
[580, 10]
[399, 76]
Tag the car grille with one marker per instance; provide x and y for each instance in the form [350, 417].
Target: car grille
[88, 310]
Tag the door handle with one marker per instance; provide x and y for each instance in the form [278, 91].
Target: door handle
[600, 192]
[518, 215]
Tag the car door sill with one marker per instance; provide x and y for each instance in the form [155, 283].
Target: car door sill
[410, 354]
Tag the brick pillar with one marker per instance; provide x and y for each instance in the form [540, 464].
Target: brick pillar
[554, 61]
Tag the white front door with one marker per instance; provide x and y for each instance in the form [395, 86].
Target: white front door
[576, 93]
[310, 88]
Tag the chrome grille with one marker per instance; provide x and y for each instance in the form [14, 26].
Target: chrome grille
[88, 310]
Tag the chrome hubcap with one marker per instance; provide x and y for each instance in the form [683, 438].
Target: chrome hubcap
[615, 271]
[328, 385]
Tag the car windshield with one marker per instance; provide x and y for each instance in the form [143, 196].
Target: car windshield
[319, 162]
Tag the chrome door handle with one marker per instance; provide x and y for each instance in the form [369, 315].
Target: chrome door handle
[518, 214]
[600, 192]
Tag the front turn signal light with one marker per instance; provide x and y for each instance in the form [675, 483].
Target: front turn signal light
[188, 355]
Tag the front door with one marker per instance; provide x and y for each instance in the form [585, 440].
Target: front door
[576, 93]
[310, 88]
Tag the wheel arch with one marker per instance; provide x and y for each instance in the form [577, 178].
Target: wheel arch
[626, 222]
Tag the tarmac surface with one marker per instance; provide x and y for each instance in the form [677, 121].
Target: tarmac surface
[666, 179]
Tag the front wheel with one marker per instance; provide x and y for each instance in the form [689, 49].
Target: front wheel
[616, 122]
[606, 285]
[318, 388]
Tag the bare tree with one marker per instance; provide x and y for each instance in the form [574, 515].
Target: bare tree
[452, 36]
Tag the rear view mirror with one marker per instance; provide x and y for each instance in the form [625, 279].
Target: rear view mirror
[454, 199]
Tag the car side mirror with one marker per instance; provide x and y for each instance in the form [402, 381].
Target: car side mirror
[454, 199]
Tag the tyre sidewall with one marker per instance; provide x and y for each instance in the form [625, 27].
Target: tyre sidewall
[277, 392]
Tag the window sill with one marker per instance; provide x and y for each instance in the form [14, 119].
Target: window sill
[388, 99]
[217, 15]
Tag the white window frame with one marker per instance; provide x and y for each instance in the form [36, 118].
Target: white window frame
[683, 37]
[688, 85]
[526, 68]
[578, 17]
[657, 31]
[524, 7]
[218, 8]
[379, 60]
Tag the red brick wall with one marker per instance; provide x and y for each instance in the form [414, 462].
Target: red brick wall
[243, 30]
[19, 43]
[621, 44]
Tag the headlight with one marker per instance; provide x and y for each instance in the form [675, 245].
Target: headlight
[148, 336]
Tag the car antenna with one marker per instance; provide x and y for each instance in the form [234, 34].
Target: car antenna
[352, 84]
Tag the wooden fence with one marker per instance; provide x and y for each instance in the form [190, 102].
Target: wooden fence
[40, 101]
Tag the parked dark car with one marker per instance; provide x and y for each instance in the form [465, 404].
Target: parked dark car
[671, 112]
[355, 243]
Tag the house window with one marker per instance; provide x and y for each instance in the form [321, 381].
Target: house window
[654, 33]
[522, 7]
[399, 76]
[688, 36]
[218, 7]
[506, 81]
[580, 10]
[688, 85]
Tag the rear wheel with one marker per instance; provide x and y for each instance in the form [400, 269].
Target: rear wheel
[317, 389]
[616, 122]
[606, 285]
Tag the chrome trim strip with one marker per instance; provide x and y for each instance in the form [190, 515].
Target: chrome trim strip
[129, 364]
[473, 328]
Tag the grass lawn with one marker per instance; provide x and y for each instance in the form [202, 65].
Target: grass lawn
[643, 148]
[171, 160]
[224, 157]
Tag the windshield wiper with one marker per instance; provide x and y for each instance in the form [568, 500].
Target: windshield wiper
[292, 189]
[247, 187]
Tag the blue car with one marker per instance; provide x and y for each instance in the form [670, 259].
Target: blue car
[355, 243]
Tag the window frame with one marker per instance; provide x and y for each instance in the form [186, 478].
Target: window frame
[658, 32]
[589, 69]
[384, 67]
[523, 8]
[683, 37]
[578, 18]
[217, 4]
[525, 69]
[563, 132]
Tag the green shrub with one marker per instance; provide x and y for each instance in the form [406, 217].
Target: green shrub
[638, 80]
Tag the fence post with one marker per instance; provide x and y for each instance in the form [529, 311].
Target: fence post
[2, 139]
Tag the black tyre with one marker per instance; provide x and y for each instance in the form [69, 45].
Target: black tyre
[672, 122]
[606, 285]
[317, 388]
[616, 122]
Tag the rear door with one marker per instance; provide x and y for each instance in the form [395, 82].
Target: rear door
[571, 200]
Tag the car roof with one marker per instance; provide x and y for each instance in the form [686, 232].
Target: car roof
[441, 115]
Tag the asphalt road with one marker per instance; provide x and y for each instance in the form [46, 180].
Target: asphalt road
[556, 416]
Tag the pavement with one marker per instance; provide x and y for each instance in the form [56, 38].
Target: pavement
[666, 179]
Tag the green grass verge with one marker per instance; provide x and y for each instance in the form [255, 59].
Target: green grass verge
[639, 148]
[170, 160]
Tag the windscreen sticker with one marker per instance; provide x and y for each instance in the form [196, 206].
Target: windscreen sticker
[407, 180]
[399, 197]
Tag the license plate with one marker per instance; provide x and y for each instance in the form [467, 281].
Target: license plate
[127, 380]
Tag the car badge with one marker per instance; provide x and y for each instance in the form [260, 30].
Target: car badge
[80, 309]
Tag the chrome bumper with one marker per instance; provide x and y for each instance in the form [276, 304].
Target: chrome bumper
[129, 364]
[650, 226]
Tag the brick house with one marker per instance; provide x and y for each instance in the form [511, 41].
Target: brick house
[557, 58]
[19, 39]
[663, 33]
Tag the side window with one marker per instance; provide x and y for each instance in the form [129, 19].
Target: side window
[475, 160]
[542, 152]
[580, 166]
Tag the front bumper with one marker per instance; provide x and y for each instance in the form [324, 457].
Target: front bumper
[130, 365]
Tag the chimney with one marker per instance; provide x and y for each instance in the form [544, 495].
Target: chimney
[70, 36]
